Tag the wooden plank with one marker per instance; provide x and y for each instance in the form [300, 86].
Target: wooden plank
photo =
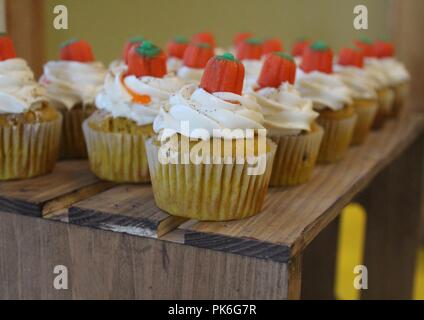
[319, 264]
[393, 207]
[292, 217]
[407, 25]
[128, 208]
[110, 265]
[24, 18]
[71, 181]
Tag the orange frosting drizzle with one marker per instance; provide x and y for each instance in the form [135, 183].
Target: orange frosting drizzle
[137, 98]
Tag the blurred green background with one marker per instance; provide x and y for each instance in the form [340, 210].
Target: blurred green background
[108, 23]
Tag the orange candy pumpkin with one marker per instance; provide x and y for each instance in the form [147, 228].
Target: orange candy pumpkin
[278, 67]
[317, 57]
[177, 47]
[240, 37]
[299, 46]
[76, 50]
[250, 49]
[383, 49]
[197, 55]
[204, 37]
[366, 46]
[272, 45]
[351, 57]
[223, 74]
[147, 60]
[131, 43]
[7, 49]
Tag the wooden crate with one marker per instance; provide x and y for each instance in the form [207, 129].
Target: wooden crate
[117, 244]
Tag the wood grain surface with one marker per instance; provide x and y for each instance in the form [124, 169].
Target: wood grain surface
[112, 265]
[292, 217]
[71, 181]
[128, 208]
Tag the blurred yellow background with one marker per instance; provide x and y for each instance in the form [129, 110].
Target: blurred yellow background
[108, 23]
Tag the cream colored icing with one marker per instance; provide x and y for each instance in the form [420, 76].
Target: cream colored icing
[325, 90]
[210, 112]
[71, 82]
[285, 111]
[19, 92]
[118, 101]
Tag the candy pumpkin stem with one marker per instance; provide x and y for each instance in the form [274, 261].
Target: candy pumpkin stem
[147, 60]
[132, 42]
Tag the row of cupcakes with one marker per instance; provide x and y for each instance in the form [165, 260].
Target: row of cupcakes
[140, 101]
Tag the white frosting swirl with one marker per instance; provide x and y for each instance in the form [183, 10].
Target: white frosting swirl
[285, 111]
[361, 85]
[71, 82]
[397, 71]
[210, 112]
[19, 92]
[391, 71]
[190, 74]
[173, 64]
[118, 101]
[117, 65]
[252, 70]
[325, 90]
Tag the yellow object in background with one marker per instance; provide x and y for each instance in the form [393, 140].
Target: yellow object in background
[350, 254]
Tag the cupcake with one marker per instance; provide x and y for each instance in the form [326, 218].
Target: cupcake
[350, 69]
[210, 159]
[250, 52]
[176, 48]
[396, 72]
[121, 64]
[127, 106]
[195, 59]
[377, 72]
[72, 85]
[29, 126]
[289, 120]
[331, 98]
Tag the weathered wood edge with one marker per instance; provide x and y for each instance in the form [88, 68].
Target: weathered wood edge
[124, 224]
[109, 222]
[40, 209]
[32, 209]
[241, 246]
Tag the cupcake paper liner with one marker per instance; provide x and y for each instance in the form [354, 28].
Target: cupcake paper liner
[401, 92]
[385, 107]
[117, 157]
[295, 158]
[72, 142]
[208, 192]
[366, 111]
[337, 138]
[29, 150]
